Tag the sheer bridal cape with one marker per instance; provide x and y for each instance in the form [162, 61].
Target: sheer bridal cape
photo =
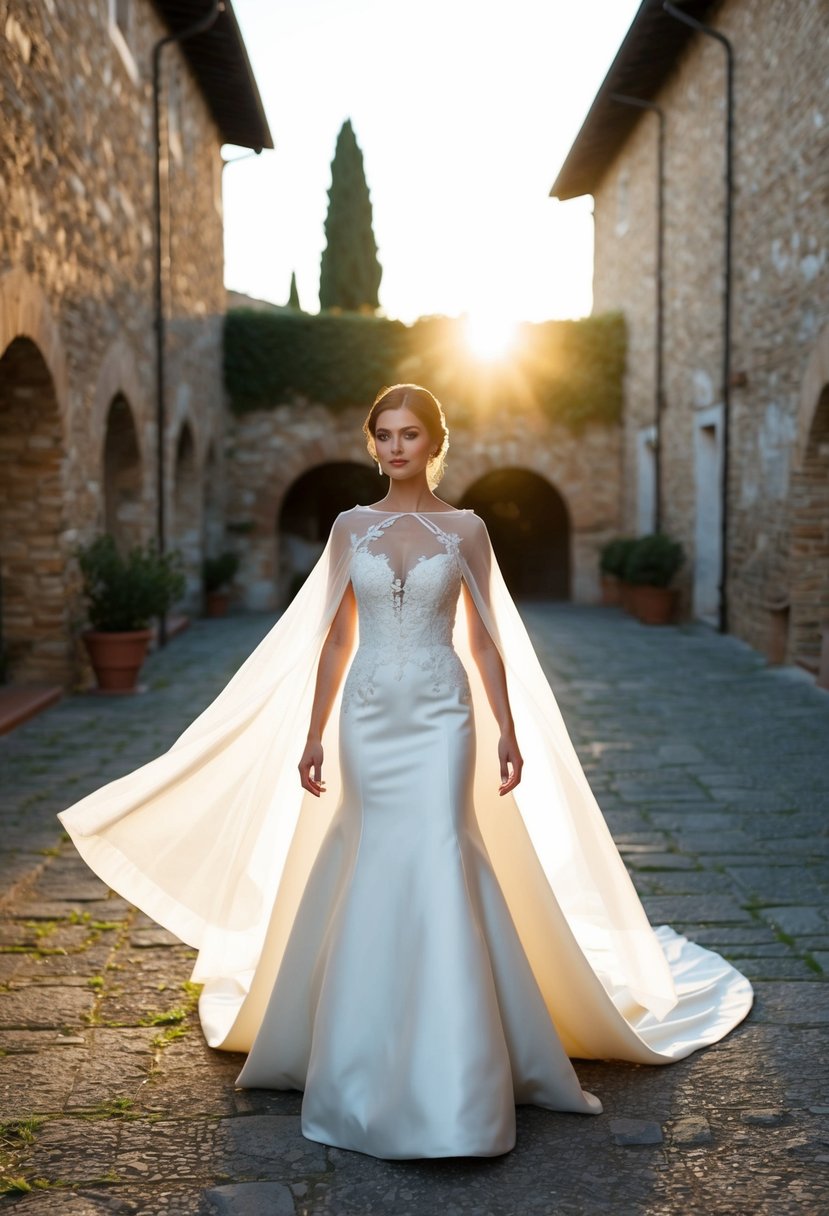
[215, 839]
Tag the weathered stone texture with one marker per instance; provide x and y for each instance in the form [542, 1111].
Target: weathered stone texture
[77, 392]
[269, 449]
[780, 298]
[76, 281]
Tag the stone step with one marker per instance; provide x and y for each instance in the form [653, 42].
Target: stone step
[19, 702]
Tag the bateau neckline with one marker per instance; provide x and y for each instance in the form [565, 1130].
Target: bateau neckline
[376, 511]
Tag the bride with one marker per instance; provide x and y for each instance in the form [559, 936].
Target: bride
[428, 934]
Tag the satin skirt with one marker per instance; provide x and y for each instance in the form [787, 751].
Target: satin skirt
[405, 1006]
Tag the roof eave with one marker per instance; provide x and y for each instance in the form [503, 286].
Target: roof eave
[219, 61]
[647, 57]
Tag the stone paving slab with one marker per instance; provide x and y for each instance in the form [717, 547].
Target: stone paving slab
[713, 770]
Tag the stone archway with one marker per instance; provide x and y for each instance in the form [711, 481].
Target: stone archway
[121, 415]
[25, 312]
[122, 475]
[185, 533]
[809, 553]
[213, 516]
[36, 643]
[529, 525]
[308, 509]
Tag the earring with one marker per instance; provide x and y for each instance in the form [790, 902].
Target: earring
[379, 468]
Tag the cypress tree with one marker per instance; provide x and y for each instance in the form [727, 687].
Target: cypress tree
[350, 272]
[293, 296]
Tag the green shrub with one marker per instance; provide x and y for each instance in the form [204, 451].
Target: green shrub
[653, 560]
[338, 359]
[570, 370]
[219, 571]
[613, 555]
[124, 593]
[577, 368]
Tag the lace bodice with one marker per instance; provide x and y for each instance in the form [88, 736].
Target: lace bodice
[406, 575]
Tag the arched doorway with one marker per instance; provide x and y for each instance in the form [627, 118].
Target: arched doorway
[34, 643]
[122, 476]
[308, 510]
[186, 530]
[809, 611]
[213, 510]
[529, 525]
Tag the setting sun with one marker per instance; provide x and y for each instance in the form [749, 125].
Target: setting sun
[488, 335]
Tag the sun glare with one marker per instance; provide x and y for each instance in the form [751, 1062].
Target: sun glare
[489, 336]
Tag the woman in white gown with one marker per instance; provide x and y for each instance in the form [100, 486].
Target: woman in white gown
[424, 947]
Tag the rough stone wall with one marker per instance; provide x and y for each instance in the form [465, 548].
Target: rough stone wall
[268, 450]
[76, 246]
[809, 565]
[780, 282]
[31, 507]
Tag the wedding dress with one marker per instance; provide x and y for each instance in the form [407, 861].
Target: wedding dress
[414, 951]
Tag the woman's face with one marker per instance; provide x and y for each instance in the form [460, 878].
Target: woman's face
[402, 443]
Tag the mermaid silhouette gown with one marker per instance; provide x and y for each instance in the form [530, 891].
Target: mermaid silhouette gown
[424, 954]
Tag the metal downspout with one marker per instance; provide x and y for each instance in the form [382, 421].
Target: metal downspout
[659, 391]
[199, 27]
[679, 15]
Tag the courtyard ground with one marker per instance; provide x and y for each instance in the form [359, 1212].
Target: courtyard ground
[713, 771]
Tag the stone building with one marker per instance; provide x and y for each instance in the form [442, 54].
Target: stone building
[773, 521]
[78, 423]
[290, 471]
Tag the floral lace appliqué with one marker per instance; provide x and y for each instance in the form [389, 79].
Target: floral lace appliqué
[405, 621]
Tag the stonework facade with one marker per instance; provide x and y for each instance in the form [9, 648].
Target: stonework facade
[269, 452]
[78, 410]
[77, 345]
[778, 514]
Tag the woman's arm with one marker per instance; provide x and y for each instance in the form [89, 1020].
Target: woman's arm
[491, 667]
[333, 658]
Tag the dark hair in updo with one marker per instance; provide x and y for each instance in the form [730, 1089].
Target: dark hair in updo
[427, 408]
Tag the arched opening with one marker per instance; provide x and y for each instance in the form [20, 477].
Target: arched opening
[35, 643]
[213, 512]
[529, 525]
[186, 529]
[122, 476]
[809, 612]
[308, 510]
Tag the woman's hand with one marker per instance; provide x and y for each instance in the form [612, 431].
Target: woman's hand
[312, 759]
[494, 677]
[508, 754]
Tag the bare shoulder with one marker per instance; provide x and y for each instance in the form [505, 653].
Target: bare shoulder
[350, 514]
[447, 509]
[343, 521]
[474, 530]
[470, 527]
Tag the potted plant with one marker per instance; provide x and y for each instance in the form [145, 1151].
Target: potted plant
[651, 564]
[124, 593]
[612, 558]
[217, 574]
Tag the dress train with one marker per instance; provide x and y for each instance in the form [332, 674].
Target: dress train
[415, 952]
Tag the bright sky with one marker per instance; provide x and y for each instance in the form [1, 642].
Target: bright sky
[464, 111]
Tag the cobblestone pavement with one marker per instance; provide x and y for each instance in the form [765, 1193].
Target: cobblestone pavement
[713, 770]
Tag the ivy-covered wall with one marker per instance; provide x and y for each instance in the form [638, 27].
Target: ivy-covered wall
[571, 370]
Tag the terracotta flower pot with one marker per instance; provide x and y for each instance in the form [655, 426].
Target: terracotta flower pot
[117, 658]
[627, 593]
[216, 603]
[611, 589]
[655, 605]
